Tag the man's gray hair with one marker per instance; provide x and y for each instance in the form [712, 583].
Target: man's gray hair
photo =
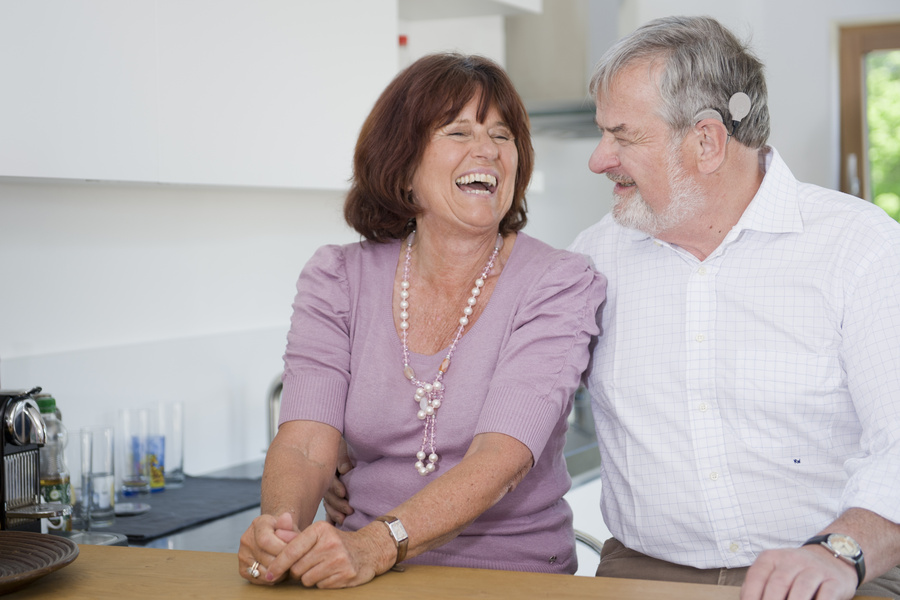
[703, 65]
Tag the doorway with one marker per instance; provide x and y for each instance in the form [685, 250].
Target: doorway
[870, 114]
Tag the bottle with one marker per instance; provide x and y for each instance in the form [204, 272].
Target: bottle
[55, 481]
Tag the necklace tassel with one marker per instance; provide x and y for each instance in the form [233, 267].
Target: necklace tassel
[429, 396]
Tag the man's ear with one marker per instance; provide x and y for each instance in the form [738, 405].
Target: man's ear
[711, 137]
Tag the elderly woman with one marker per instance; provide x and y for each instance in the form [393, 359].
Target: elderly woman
[446, 349]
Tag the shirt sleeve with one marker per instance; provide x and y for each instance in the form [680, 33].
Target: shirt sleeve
[317, 359]
[871, 358]
[545, 353]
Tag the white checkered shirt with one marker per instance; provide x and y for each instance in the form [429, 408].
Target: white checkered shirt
[745, 401]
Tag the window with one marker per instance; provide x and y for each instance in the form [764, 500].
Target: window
[870, 113]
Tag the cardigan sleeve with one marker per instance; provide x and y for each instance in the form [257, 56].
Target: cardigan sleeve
[545, 353]
[317, 359]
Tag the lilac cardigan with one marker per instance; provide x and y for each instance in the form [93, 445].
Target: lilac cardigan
[514, 372]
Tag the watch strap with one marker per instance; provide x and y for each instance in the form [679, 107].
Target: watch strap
[857, 561]
[398, 533]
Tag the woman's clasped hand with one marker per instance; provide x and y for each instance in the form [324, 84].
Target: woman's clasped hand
[320, 555]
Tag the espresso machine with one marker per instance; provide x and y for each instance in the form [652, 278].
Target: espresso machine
[22, 433]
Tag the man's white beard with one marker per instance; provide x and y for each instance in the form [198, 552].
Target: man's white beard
[684, 203]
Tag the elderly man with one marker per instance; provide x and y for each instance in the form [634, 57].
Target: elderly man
[746, 383]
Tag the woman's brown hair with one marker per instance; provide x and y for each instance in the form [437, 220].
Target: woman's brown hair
[427, 95]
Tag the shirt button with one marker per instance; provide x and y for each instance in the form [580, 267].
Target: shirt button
[701, 271]
[714, 476]
[734, 547]
[704, 407]
[700, 337]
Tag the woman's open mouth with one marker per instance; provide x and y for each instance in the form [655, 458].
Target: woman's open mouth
[477, 183]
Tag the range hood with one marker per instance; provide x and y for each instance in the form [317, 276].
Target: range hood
[550, 57]
[412, 10]
[563, 119]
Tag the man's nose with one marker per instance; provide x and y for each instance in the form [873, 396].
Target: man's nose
[604, 157]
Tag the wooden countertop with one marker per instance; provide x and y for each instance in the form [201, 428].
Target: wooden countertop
[112, 572]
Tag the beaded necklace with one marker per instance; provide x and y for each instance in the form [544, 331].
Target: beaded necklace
[430, 395]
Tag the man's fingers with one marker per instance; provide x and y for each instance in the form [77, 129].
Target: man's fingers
[335, 517]
[343, 461]
[757, 576]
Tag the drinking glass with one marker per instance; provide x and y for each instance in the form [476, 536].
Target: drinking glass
[132, 431]
[98, 479]
[171, 425]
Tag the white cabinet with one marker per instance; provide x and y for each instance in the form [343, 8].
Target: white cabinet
[222, 92]
[79, 90]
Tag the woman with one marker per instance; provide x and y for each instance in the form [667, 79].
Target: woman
[446, 349]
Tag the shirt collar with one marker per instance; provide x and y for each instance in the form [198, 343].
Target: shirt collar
[775, 207]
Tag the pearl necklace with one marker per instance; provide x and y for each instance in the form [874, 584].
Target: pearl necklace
[429, 395]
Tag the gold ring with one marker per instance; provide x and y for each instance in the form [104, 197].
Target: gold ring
[253, 571]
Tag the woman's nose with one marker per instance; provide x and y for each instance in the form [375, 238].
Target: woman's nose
[603, 158]
[485, 146]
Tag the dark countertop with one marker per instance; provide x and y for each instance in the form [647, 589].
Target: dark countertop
[221, 535]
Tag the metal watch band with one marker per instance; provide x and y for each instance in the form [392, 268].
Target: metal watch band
[858, 561]
[398, 532]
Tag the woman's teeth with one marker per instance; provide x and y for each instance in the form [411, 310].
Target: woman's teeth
[477, 183]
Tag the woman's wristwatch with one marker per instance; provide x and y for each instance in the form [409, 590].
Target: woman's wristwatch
[398, 532]
[845, 547]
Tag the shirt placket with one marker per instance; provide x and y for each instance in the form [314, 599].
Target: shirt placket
[707, 430]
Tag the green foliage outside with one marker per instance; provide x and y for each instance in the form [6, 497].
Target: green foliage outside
[883, 114]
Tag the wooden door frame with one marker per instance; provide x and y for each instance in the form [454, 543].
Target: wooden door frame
[855, 42]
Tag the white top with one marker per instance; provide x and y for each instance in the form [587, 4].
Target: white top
[745, 401]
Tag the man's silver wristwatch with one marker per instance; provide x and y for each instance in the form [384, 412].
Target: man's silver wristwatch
[398, 532]
[843, 546]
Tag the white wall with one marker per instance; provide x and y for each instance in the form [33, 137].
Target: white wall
[105, 264]
[124, 295]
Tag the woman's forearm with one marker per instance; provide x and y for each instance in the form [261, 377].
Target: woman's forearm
[299, 465]
[493, 466]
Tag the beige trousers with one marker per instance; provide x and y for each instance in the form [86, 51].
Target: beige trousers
[618, 561]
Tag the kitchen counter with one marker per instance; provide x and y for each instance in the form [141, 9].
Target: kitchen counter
[200, 562]
[114, 572]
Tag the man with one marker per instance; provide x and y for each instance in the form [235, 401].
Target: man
[745, 384]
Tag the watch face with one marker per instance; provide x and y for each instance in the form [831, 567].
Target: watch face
[843, 545]
[398, 531]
